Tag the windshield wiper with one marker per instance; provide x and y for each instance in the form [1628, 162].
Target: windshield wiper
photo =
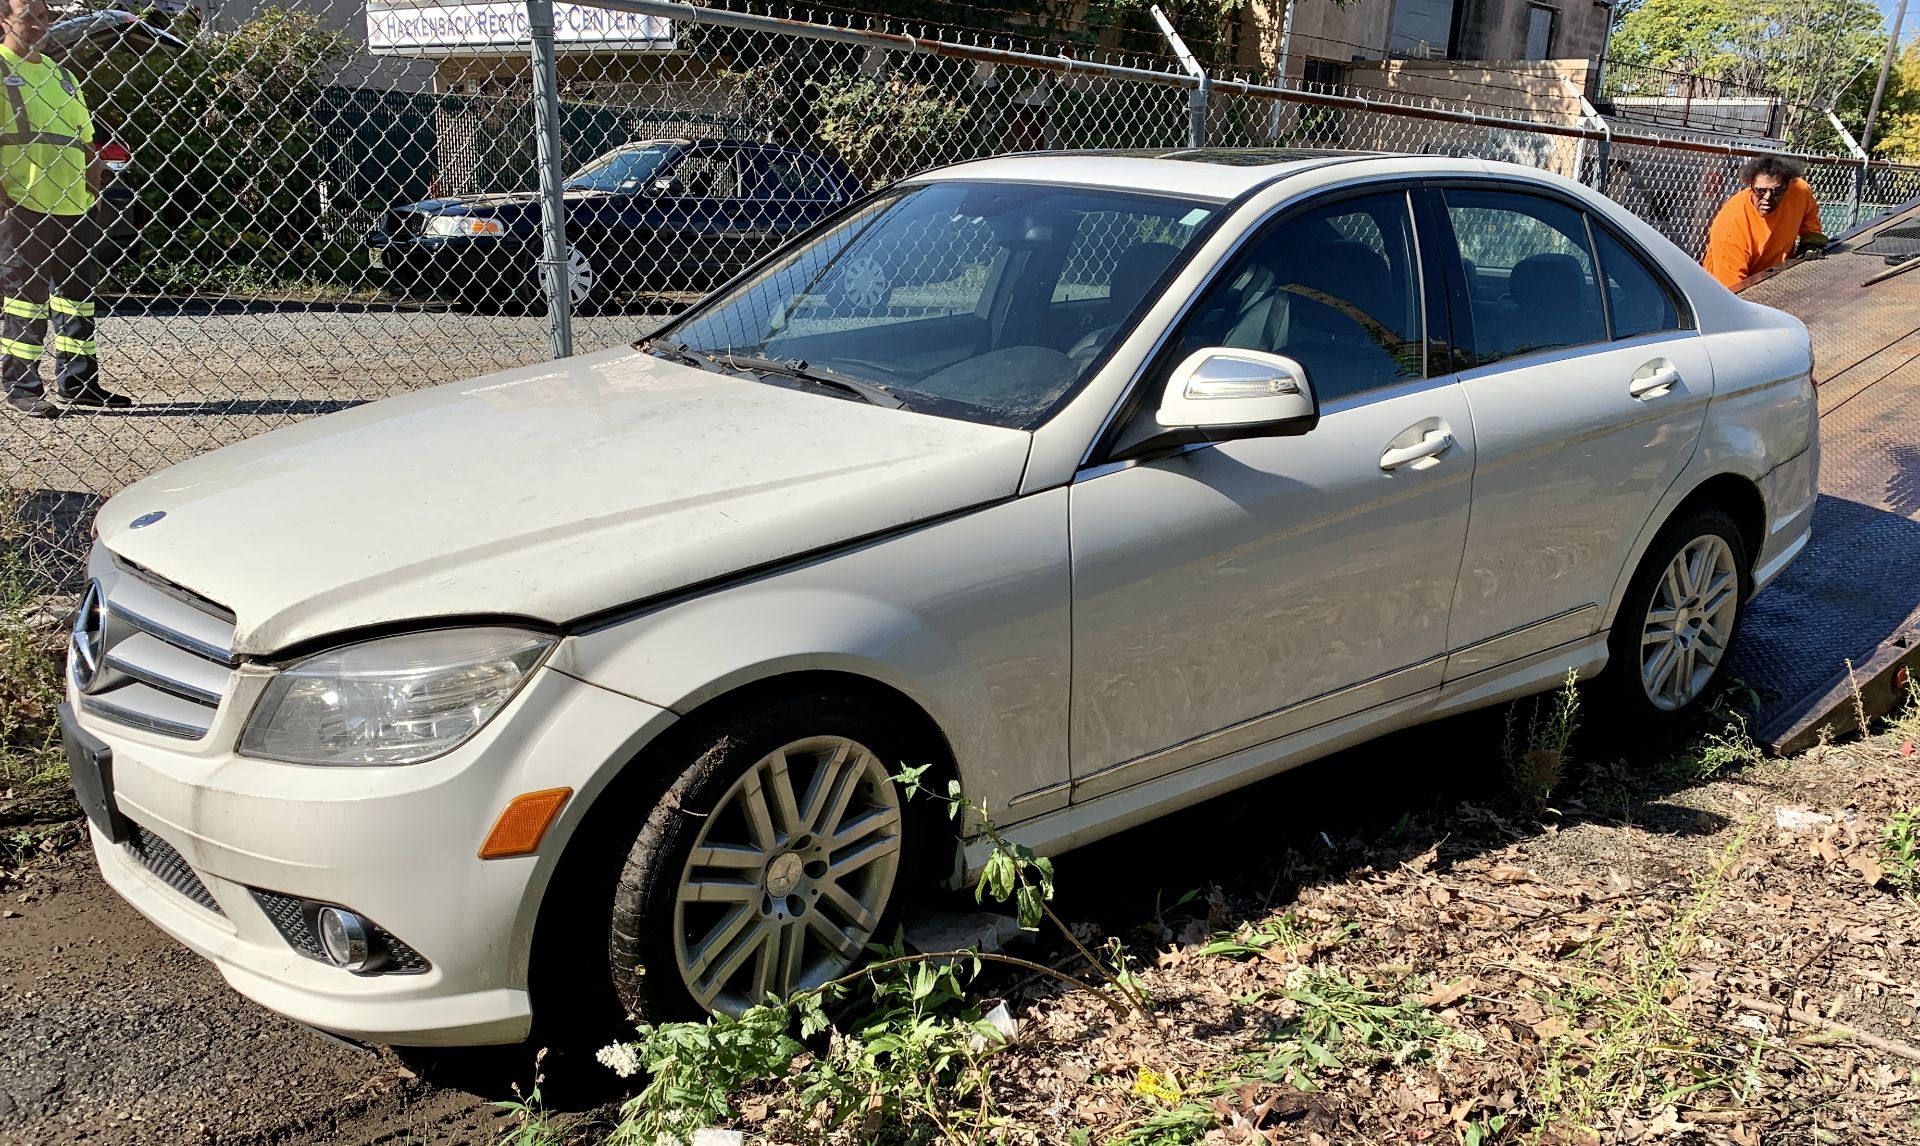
[678, 352]
[794, 368]
[797, 369]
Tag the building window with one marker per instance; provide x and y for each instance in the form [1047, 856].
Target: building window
[1540, 32]
[1421, 29]
[1323, 76]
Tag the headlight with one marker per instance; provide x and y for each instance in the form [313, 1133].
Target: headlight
[397, 700]
[450, 225]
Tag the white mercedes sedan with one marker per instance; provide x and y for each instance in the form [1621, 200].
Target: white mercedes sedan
[1100, 483]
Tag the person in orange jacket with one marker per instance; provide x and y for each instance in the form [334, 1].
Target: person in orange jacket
[1773, 217]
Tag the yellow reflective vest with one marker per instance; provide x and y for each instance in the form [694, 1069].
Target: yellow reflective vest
[46, 137]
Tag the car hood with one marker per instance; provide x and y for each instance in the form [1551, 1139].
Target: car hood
[549, 492]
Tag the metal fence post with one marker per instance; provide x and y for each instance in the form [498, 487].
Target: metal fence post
[554, 279]
[1860, 176]
[1202, 83]
[1197, 112]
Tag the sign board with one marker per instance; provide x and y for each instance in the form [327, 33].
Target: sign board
[499, 27]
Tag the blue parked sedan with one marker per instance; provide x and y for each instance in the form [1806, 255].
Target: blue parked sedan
[661, 214]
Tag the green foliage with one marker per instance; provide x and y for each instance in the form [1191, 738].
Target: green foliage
[31, 681]
[1536, 759]
[225, 142]
[1897, 135]
[1812, 51]
[1900, 851]
[1333, 1023]
[694, 1068]
[886, 127]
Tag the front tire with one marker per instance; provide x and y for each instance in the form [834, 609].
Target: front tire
[771, 862]
[1681, 617]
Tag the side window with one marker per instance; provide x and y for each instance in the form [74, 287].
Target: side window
[1335, 288]
[1640, 302]
[785, 176]
[1529, 271]
[711, 175]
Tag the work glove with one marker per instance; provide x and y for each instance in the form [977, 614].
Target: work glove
[1811, 246]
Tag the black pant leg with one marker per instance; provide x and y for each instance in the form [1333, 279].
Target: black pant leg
[75, 276]
[24, 262]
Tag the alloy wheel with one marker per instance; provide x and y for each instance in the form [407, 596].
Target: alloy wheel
[1689, 622]
[789, 875]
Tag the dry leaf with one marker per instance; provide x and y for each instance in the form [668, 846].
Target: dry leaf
[1448, 994]
[1868, 868]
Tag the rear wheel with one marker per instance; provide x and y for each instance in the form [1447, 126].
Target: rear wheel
[772, 861]
[1681, 617]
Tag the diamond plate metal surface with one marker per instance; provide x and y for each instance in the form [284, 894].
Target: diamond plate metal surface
[1857, 585]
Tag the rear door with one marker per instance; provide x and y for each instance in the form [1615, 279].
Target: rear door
[1588, 386]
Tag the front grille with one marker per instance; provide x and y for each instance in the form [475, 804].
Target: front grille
[293, 918]
[159, 857]
[406, 224]
[161, 656]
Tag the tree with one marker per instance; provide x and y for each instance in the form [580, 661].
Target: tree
[226, 138]
[1897, 135]
[1812, 52]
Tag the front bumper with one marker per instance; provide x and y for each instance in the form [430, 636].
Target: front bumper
[397, 845]
[464, 268]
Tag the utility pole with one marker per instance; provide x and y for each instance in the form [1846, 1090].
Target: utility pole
[1886, 65]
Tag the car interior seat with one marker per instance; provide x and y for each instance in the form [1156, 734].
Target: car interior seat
[1134, 273]
[1548, 298]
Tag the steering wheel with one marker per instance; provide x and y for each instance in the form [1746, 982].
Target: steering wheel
[1090, 344]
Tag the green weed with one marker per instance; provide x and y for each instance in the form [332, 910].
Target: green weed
[1328, 1022]
[1536, 756]
[1711, 754]
[1622, 1039]
[1900, 851]
[31, 682]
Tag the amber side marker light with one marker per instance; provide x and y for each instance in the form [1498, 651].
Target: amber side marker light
[522, 822]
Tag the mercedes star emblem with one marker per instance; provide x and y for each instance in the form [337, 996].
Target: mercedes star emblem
[89, 637]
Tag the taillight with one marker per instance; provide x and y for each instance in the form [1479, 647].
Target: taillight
[115, 155]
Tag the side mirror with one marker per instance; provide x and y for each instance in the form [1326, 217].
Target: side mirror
[1226, 393]
[665, 185]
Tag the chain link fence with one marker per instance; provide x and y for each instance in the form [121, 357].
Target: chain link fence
[307, 216]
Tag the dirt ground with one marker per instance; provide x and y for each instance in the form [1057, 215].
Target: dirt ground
[1517, 937]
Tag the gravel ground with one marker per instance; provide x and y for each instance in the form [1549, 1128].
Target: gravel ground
[207, 374]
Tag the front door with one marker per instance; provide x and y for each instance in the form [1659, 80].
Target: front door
[1235, 592]
[1587, 404]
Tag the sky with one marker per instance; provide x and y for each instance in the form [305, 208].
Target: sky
[1911, 27]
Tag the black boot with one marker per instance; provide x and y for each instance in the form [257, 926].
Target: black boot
[94, 394]
[33, 405]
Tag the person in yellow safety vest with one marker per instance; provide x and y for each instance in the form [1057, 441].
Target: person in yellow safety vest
[49, 179]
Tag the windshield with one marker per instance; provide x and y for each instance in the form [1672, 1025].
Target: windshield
[618, 171]
[983, 301]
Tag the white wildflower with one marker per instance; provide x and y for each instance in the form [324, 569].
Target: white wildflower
[620, 1059]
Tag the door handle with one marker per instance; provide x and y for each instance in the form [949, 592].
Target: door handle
[1436, 442]
[1654, 384]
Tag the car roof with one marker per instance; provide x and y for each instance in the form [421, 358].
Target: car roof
[1217, 174]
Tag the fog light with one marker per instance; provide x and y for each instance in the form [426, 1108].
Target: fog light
[343, 935]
